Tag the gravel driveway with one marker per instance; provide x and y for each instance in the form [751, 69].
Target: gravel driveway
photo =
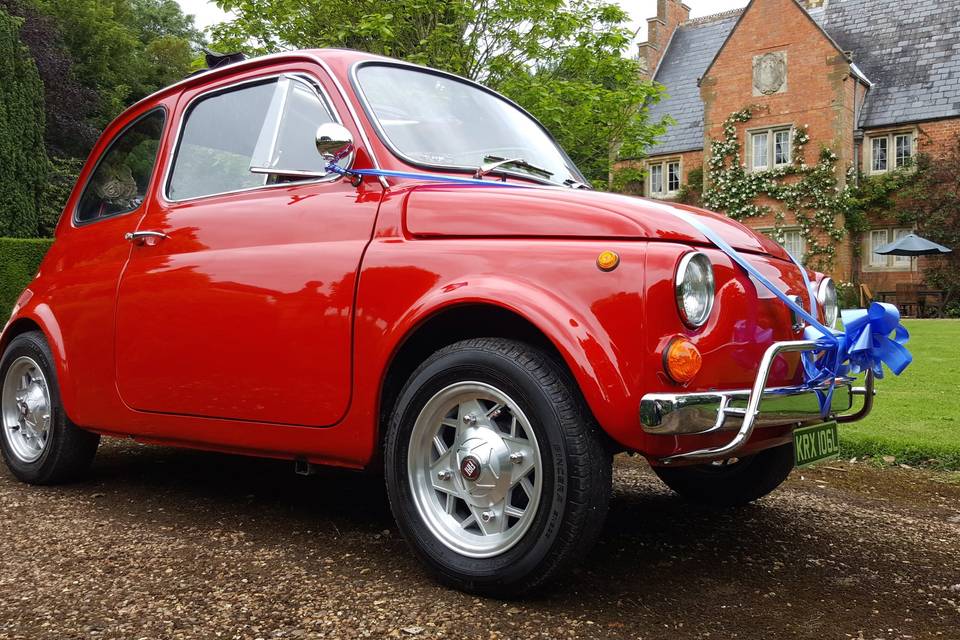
[162, 543]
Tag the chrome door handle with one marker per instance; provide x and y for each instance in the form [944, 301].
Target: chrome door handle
[145, 237]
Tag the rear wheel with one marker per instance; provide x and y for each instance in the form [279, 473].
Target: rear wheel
[39, 443]
[732, 482]
[496, 475]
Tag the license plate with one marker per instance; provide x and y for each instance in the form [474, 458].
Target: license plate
[815, 443]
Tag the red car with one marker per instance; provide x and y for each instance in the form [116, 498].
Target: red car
[341, 259]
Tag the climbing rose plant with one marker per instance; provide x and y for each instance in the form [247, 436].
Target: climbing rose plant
[811, 192]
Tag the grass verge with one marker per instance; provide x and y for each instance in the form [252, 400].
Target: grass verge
[916, 417]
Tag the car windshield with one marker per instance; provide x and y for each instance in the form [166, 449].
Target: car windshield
[436, 120]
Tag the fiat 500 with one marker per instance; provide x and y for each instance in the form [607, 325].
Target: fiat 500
[341, 259]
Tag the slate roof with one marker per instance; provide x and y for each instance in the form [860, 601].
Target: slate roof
[691, 49]
[908, 49]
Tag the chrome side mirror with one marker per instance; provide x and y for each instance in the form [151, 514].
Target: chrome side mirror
[335, 144]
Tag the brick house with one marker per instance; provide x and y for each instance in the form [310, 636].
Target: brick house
[877, 81]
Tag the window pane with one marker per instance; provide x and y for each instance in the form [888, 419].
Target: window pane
[904, 149]
[119, 183]
[878, 238]
[760, 150]
[218, 141]
[900, 261]
[795, 244]
[288, 138]
[879, 153]
[673, 176]
[656, 178]
[781, 148]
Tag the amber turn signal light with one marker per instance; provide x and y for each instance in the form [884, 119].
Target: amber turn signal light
[682, 360]
[608, 261]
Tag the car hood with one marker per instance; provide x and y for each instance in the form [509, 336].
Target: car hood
[434, 210]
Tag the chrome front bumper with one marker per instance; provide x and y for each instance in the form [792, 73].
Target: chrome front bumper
[744, 409]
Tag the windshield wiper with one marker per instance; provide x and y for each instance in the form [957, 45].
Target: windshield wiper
[575, 184]
[492, 163]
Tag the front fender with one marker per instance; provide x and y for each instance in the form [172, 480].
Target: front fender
[591, 317]
[578, 336]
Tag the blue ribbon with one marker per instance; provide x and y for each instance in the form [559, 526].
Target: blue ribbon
[864, 345]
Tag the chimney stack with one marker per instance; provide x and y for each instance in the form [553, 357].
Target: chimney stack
[670, 15]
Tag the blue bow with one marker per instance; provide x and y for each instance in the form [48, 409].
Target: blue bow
[866, 345]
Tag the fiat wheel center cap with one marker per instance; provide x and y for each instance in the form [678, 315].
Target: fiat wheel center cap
[470, 468]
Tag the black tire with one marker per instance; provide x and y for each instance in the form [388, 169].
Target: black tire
[731, 485]
[576, 462]
[69, 450]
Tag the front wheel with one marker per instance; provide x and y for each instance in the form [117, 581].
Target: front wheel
[495, 472]
[732, 482]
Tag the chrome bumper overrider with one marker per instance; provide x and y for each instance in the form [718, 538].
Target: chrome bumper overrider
[709, 411]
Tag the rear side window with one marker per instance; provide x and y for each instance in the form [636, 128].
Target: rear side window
[248, 137]
[119, 183]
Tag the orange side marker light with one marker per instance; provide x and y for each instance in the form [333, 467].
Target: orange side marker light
[608, 261]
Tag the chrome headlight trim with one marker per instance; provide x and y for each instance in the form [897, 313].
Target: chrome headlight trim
[694, 318]
[827, 298]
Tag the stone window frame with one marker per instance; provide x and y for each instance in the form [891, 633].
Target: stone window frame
[873, 262]
[771, 131]
[891, 136]
[664, 164]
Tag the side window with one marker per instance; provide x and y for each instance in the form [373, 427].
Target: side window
[119, 183]
[247, 137]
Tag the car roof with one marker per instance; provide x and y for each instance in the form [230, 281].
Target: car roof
[334, 58]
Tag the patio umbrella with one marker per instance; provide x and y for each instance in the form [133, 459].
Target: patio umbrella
[912, 245]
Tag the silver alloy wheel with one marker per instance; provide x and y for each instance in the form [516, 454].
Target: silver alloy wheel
[474, 469]
[26, 407]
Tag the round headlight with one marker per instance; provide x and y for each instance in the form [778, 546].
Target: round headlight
[827, 297]
[694, 288]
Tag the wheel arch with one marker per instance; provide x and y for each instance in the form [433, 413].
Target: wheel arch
[41, 318]
[449, 325]
[575, 349]
[17, 327]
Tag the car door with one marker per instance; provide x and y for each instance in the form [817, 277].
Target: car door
[237, 300]
[90, 252]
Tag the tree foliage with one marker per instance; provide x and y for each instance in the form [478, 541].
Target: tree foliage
[93, 58]
[69, 106]
[123, 49]
[563, 60]
[592, 99]
[23, 160]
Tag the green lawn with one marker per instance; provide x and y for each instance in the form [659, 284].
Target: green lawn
[916, 416]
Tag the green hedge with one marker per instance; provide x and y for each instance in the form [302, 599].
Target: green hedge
[19, 259]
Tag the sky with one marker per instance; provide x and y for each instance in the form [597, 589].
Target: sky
[207, 14]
